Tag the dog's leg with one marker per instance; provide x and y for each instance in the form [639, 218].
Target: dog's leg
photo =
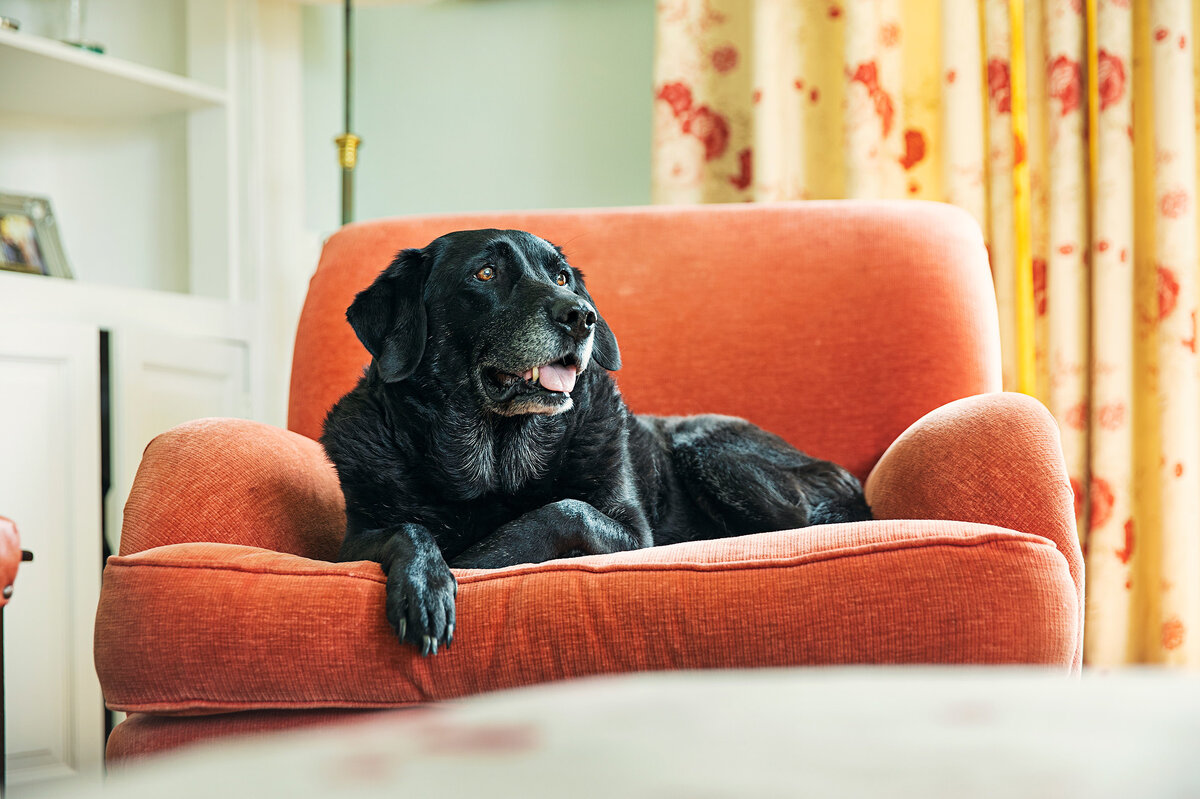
[420, 587]
[554, 530]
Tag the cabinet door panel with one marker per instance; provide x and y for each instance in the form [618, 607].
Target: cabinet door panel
[157, 382]
[50, 485]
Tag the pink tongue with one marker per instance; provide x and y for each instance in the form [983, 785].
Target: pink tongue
[555, 377]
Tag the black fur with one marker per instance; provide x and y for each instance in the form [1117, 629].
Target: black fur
[446, 456]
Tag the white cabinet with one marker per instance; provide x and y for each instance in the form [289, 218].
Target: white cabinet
[159, 380]
[50, 483]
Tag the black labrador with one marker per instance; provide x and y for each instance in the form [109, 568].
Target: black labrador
[487, 432]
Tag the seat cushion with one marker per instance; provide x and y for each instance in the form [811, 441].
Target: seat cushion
[207, 628]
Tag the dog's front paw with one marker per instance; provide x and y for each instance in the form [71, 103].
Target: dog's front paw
[420, 603]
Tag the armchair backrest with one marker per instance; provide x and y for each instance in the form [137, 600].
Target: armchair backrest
[834, 324]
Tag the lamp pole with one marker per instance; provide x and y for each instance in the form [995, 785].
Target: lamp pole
[348, 142]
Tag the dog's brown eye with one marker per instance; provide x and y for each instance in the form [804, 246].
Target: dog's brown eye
[561, 279]
[485, 274]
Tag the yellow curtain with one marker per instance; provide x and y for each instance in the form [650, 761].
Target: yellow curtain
[1068, 129]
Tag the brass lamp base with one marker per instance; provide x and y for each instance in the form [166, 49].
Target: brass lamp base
[348, 158]
[348, 150]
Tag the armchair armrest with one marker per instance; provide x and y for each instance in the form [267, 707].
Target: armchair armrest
[990, 459]
[234, 481]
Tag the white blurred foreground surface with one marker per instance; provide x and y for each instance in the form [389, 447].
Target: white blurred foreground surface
[929, 732]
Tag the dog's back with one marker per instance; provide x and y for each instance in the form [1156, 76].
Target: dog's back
[715, 476]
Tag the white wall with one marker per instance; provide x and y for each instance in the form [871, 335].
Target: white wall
[482, 105]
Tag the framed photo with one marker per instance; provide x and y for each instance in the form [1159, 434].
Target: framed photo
[29, 239]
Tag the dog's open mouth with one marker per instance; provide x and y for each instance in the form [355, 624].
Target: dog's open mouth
[556, 377]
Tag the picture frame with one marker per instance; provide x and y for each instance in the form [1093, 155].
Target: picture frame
[29, 240]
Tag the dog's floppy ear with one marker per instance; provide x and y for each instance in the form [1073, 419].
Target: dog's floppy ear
[389, 316]
[604, 346]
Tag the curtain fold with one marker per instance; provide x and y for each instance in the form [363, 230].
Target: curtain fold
[1111, 370]
[1172, 375]
[1068, 129]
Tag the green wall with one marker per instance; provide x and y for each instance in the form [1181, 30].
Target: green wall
[468, 105]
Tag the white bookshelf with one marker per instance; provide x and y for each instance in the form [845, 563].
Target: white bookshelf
[136, 148]
[63, 82]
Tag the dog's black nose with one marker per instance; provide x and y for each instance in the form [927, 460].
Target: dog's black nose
[575, 315]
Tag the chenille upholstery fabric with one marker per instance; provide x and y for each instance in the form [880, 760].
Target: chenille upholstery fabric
[992, 458]
[246, 483]
[838, 325]
[886, 591]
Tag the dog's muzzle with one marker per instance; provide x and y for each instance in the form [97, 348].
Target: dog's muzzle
[575, 316]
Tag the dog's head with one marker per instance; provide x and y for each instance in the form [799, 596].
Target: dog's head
[500, 311]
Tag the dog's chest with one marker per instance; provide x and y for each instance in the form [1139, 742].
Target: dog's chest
[474, 458]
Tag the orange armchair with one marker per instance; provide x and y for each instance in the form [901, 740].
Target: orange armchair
[862, 332]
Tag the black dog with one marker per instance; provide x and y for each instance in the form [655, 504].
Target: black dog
[487, 432]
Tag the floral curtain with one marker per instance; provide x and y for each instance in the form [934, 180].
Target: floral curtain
[1068, 129]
